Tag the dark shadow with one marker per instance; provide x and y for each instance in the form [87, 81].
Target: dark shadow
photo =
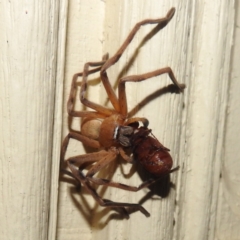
[89, 213]
[171, 88]
[160, 188]
[93, 216]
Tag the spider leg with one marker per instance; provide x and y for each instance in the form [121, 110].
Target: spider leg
[106, 182]
[104, 202]
[72, 95]
[102, 159]
[79, 137]
[111, 61]
[139, 78]
[125, 156]
[79, 160]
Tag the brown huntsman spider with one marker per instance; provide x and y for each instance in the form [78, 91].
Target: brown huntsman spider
[112, 132]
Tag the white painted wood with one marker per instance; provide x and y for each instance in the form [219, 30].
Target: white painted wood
[228, 208]
[208, 84]
[197, 46]
[29, 41]
[57, 128]
[84, 43]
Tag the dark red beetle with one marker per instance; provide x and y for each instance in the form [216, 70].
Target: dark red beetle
[149, 152]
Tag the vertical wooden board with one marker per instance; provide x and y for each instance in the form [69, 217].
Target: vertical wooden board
[57, 125]
[228, 214]
[27, 77]
[164, 111]
[191, 125]
[209, 56]
[83, 43]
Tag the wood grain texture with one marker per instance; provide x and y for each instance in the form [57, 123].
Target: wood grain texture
[164, 111]
[58, 113]
[228, 208]
[29, 36]
[197, 46]
[83, 43]
[205, 120]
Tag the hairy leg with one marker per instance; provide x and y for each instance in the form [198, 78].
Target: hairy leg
[104, 202]
[139, 78]
[79, 137]
[162, 22]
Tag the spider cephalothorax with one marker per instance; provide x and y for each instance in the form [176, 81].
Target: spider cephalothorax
[112, 132]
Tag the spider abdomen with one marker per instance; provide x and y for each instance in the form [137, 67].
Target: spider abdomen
[91, 127]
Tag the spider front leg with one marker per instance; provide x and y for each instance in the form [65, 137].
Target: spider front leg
[139, 78]
[162, 22]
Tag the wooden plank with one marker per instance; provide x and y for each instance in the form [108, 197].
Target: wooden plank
[209, 57]
[196, 45]
[29, 36]
[58, 113]
[228, 208]
[84, 43]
